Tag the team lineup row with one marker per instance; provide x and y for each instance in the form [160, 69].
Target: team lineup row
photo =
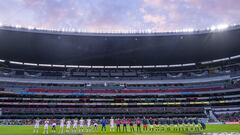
[151, 124]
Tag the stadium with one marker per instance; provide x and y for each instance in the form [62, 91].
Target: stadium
[139, 83]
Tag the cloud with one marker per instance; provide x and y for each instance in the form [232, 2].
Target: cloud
[157, 20]
[155, 2]
[198, 14]
[120, 14]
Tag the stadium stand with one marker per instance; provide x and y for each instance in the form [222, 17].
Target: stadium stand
[158, 86]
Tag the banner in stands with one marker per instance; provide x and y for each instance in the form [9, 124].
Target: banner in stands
[232, 122]
[215, 123]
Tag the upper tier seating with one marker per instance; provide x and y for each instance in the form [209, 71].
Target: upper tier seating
[41, 90]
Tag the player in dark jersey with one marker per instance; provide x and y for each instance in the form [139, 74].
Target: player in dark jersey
[151, 123]
[162, 124]
[118, 123]
[168, 124]
[104, 123]
[156, 124]
[124, 122]
[196, 122]
[175, 124]
[191, 124]
[54, 125]
[138, 122]
[180, 124]
[145, 124]
[131, 124]
[185, 121]
[203, 125]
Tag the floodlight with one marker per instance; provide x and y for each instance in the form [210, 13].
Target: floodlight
[190, 30]
[213, 28]
[30, 27]
[222, 27]
[149, 30]
[18, 26]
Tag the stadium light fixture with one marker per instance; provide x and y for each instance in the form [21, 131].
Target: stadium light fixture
[16, 62]
[73, 30]
[136, 66]
[30, 64]
[189, 64]
[58, 65]
[71, 66]
[149, 31]
[161, 66]
[30, 27]
[235, 57]
[123, 66]
[149, 66]
[80, 66]
[110, 66]
[213, 28]
[222, 27]
[176, 65]
[219, 60]
[206, 62]
[97, 66]
[18, 26]
[190, 30]
[45, 65]
[219, 27]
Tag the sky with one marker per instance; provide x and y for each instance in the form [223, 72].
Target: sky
[107, 15]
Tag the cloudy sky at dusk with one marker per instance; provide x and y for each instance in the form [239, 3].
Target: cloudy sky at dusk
[161, 15]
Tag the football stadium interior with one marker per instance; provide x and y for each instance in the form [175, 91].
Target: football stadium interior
[170, 78]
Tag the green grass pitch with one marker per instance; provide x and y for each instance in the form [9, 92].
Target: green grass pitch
[28, 130]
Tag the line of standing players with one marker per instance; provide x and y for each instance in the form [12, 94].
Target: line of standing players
[141, 125]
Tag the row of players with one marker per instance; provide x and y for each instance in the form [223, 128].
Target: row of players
[153, 124]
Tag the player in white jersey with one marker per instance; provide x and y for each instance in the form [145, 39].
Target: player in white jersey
[46, 126]
[68, 126]
[54, 126]
[36, 126]
[95, 125]
[88, 124]
[81, 123]
[75, 123]
[111, 124]
[62, 121]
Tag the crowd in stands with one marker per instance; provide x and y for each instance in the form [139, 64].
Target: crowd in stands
[228, 117]
[16, 121]
[125, 90]
[173, 110]
[139, 74]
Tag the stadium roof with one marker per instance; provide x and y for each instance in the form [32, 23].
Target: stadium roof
[44, 47]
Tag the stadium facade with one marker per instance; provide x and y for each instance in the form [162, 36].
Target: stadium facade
[55, 74]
